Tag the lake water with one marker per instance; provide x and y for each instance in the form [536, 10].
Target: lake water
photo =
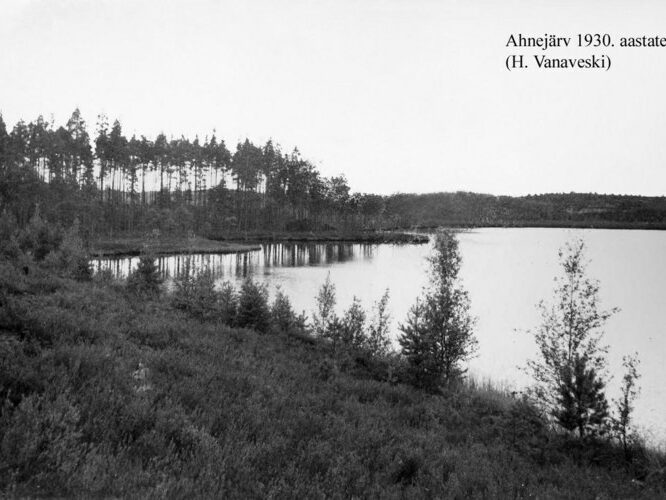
[506, 271]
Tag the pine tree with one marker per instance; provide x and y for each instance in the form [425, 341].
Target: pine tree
[438, 336]
[582, 404]
[570, 373]
[253, 309]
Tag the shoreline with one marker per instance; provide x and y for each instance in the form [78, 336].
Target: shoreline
[133, 246]
[397, 236]
[646, 226]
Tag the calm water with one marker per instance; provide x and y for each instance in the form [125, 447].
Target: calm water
[506, 271]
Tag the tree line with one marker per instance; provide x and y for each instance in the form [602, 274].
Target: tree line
[114, 183]
[553, 209]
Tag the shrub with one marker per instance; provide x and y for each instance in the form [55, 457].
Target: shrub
[71, 256]
[253, 310]
[39, 238]
[378, 342]
[228, 304]
[352, 329]
[324, 319]
[581, 402]
[9, 245]
[41, 442]
[196, 294]
[104, 276]
[282, 314]
[146, 277]
[625, 405]
[352, 326]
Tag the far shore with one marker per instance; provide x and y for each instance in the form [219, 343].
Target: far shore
[130, 246]
[123, 246]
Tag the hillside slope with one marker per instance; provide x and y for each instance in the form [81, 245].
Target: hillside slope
[106, 394]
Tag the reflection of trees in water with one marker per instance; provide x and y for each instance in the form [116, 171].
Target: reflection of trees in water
[313, 254]
[240, 265]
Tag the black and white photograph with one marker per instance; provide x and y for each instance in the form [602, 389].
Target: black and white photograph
[333, 249]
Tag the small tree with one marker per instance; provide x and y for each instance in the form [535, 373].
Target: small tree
[417, 348]
[71, 256]
[146, 277]
[438, 335]
[570, 372]
[352, 326]
[195, 293]
[253, 310]
[282, 314]
[582, 404]
[625, 405]
[324, 319]
[378, 343]
[228, 304]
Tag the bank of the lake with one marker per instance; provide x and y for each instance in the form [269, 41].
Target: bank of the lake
[237, 242]
[506, 271]
[108, 393]
[360, 237]
[164, 245]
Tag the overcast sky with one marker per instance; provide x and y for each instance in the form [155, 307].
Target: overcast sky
[399, 95]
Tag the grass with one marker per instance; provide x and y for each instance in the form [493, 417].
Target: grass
[108, 394]
[111, 247]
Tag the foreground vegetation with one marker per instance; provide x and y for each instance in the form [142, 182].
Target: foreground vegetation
[112, 388]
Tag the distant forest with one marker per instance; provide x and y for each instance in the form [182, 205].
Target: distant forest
[115, 184]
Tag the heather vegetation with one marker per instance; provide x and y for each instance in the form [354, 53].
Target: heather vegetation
[112, 388]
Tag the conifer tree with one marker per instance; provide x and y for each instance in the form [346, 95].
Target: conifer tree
[438, 336]
[570, 372]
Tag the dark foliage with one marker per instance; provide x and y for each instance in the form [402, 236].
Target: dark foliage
[113, 183]
[146, 278]
[253, 310]
[110, 394]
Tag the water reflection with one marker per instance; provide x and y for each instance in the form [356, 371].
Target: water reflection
[241, 265]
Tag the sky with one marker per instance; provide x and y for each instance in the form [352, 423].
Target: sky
[399, 95]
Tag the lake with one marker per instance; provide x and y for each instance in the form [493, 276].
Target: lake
[506, 271]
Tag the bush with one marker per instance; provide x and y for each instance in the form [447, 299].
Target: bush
[71, 257]
[378, 342]
[228, 304]
[9, 245]
[324, 319]
[625, 405]
[253, 310]
[145, 279]
[196, 294]
[39, 238]
[352, 331]
[282, 314]
[41, 442]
